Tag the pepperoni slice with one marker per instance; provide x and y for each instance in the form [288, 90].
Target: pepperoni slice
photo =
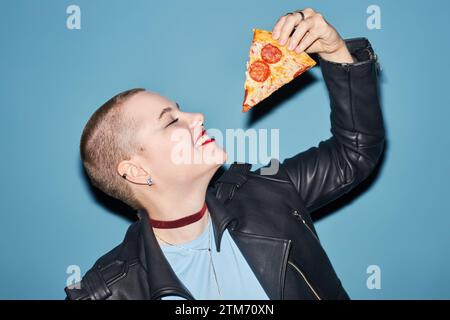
[259, 71]
[271, 54]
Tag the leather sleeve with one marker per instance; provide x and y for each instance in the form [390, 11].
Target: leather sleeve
[323, 173]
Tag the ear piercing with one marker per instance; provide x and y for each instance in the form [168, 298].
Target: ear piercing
[149, 180]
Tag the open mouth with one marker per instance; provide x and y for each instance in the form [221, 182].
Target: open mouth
[203, 139]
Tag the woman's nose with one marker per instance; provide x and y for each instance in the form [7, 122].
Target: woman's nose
[198, 119]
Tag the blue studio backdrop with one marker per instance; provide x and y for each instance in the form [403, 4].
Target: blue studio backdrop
[53, 76]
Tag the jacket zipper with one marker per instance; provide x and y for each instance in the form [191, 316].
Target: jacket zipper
[299, 216]
[306, 280]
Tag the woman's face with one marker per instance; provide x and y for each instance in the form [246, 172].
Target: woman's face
[174, 149]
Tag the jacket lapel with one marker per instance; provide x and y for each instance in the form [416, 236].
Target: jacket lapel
[220, 216]
[162, 280]
[266, 256]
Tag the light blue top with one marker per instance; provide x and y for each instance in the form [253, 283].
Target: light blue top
[192, 264]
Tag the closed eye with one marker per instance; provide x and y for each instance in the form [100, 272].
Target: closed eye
[172, 122]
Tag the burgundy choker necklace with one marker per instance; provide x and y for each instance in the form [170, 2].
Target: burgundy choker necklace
[162, 224]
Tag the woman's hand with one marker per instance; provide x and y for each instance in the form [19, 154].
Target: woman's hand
[312, 35]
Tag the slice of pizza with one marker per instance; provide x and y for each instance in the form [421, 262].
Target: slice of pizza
[270, 66]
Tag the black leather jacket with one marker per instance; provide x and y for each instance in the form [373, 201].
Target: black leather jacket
[268, 216]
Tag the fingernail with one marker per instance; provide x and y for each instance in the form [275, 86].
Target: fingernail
[275, 35]
[291, 46]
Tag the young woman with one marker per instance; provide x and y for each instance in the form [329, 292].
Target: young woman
[250, 236]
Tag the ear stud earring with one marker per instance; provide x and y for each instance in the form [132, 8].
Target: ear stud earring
[149, 180]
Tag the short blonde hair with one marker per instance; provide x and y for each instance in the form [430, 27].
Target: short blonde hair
[108, 139]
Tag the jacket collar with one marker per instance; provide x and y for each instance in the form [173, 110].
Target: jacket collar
[221, 217]
[267, 256]
[258, 250]
[162, 280]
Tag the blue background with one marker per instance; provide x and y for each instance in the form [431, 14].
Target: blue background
[52, 79]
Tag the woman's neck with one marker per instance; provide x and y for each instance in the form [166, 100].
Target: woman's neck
[176, 205]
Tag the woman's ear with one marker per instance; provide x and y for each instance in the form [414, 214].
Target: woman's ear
[127, 169]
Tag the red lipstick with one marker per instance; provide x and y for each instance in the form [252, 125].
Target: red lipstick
[208, 141]
[201, 135]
